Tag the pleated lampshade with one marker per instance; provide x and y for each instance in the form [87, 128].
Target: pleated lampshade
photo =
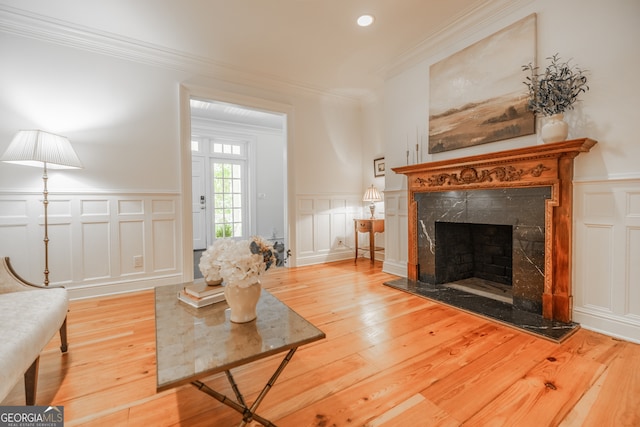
[37, 148]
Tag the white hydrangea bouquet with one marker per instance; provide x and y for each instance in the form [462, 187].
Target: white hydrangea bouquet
[210, 261]
[237, 262]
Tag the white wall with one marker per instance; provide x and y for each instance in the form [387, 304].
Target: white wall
[600, 37]
[270, 185]
[120, 105]
[121, 117]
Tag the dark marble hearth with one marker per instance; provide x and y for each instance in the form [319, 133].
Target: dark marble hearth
[493, 309]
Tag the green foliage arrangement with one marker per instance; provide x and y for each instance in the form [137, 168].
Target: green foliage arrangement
[557, 89]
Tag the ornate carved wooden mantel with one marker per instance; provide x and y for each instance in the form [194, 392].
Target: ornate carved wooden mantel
[539, 165]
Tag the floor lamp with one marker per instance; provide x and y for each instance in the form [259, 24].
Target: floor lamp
[45, 150]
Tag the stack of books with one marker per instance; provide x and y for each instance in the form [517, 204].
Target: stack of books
[200, 294]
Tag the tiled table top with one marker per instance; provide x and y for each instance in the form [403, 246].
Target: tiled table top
[192, 343]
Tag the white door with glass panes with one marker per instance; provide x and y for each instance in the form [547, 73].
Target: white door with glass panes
[220, 190]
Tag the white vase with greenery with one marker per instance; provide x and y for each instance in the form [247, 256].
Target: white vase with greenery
[552, 93]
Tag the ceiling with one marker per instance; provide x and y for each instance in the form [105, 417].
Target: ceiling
[203, 112]
[314, 44]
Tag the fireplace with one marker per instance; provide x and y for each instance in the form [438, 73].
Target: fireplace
[494, 235]
[529, 191]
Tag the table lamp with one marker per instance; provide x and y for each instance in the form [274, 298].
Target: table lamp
[372, 195]
[46, 150]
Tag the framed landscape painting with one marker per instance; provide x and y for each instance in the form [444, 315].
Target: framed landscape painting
[476, 95]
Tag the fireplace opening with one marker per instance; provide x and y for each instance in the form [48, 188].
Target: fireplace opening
[475, 258]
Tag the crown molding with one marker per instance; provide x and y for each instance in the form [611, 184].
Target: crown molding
[464, 26]
[43, 28]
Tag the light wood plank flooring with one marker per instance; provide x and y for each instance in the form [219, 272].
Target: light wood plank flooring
[389, 359]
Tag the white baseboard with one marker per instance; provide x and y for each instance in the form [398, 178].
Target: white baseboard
[322, 258]
[398, 269]
[90, 291]
[613, 326]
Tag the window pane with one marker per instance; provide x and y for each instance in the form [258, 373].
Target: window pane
[228, 197]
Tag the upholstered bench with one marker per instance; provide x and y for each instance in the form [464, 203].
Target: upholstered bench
[30, 315]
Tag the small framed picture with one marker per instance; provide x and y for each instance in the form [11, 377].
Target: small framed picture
[378, 167]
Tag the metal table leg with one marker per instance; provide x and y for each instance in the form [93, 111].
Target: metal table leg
[248, 413]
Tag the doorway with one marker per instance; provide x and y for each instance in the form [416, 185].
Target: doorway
[238, 174]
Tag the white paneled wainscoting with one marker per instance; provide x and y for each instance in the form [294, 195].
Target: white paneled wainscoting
[396, 232]
[98, 243]
[607, 256]
[325, 229]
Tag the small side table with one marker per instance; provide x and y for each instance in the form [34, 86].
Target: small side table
[371, 226]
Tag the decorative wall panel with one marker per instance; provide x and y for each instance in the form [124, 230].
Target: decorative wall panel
[130, 207]
[94, 207]
[305, 232]
[632, 284]
[59, 208]
[606, 254]
[598, 266]
[165, 253]
[132, 254]
[96, 256]
[163, 207]
[322, 233]
[13, 208]
[395, 224]
[322, 223]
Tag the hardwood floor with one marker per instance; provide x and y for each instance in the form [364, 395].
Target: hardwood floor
[389, 359]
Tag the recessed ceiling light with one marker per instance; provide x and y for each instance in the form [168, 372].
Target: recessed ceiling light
[365, 20]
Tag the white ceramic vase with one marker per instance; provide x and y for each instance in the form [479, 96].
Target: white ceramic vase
[242, 301]
[554, 129]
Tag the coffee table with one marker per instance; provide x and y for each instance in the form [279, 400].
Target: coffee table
[194, 343]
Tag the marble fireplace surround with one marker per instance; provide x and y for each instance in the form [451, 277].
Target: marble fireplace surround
[539, 166]
[476, 248]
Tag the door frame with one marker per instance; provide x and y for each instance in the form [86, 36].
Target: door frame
[191, 91]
